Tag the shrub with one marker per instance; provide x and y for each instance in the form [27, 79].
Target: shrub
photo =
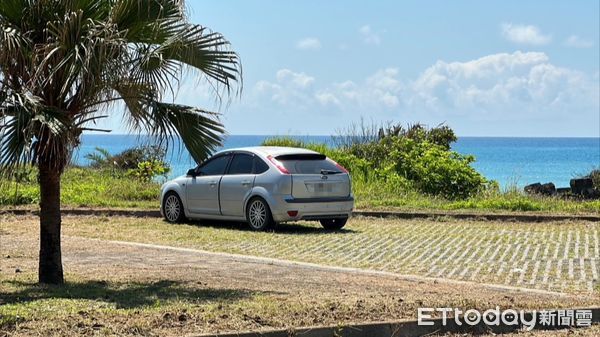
[415, 158]
[363, 133]
[148, 170]
[129, 159]
[595, 176]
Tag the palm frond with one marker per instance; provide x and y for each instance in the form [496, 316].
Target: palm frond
[200, 130]
[141, 21]
[77, 57]
[206, 52]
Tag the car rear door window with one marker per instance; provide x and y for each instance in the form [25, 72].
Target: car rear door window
[260, 166]
[215, 166]
[308, 164]
[241, 164]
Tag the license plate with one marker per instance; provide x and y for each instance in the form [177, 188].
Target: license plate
[322, 187]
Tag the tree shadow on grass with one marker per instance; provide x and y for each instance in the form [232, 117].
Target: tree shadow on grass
[128, 295]
[285, 228]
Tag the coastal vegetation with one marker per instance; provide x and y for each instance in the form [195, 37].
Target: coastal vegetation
[400, 168]
[414, 168]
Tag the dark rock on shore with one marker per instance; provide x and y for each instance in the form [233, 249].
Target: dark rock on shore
[533, 188]
[543, 189]
[582, 186]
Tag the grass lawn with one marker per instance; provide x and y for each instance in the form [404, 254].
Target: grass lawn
[116, 289]
[84, 187]
[559, 256]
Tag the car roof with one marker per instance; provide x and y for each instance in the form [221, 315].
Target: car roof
[270, 150]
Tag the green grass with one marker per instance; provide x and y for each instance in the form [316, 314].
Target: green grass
[85, 187]
[378, 194]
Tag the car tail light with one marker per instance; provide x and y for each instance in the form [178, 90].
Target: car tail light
[292, 213]
[343, 169]
[278, 164]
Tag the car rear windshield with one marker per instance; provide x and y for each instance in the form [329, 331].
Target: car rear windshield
[308, 164]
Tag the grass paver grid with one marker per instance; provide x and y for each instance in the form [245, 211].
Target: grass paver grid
[514, 254]
[556, 256]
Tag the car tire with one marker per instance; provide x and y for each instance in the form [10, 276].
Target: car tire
[173, 208]
[258, 215]
[334, 224]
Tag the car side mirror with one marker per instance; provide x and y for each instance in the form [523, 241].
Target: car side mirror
[192, 173]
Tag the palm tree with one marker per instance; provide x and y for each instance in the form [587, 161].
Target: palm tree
[65, 63]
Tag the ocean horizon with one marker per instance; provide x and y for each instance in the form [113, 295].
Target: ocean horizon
[509, 160]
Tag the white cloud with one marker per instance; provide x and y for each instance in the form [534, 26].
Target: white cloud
[289, 88]
[309, 43]
[506, 87]
[369, 36]
[504, 84]
[578, 42]
[524, 34]
[327, 98]
[298, 79]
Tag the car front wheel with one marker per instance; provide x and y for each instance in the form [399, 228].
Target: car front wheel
[334, 224]
[259, 215]
[173, 208]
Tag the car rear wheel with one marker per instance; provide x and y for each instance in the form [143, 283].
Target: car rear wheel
[259, 215]
[173, 208]
[334, 224]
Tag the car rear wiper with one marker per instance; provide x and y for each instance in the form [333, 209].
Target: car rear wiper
[326, 172]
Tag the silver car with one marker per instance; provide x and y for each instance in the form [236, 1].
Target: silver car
[262, 186]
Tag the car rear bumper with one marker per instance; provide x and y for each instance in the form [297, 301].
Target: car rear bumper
[311, 208]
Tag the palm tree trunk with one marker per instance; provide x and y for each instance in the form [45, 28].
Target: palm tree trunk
[50, 264]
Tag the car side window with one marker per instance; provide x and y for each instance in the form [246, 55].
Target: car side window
[260, 166]
[215, 166]
[241, 164]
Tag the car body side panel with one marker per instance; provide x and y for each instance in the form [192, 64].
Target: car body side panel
[202, 194]
[234, 190]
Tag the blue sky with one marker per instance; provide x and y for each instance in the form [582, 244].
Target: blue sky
[501, 68]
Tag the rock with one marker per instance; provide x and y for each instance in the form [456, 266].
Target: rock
[17, 270]
[548, 189]
[579, 185]
[563, 190]
[533, 188]
[544, 189]
[591, 193]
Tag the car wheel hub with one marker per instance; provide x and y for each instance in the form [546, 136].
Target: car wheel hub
[172, 208]
[258, 214]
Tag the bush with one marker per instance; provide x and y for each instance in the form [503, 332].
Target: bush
[415, 158]
[431, 167]
[363, 133]
[438, 171]
[148, 170]
[595, 176]
[129, 159]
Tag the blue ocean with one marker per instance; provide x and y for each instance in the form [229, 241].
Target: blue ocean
[510, 161]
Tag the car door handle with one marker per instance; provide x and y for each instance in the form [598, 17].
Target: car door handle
[246, 182]
[213, 183]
